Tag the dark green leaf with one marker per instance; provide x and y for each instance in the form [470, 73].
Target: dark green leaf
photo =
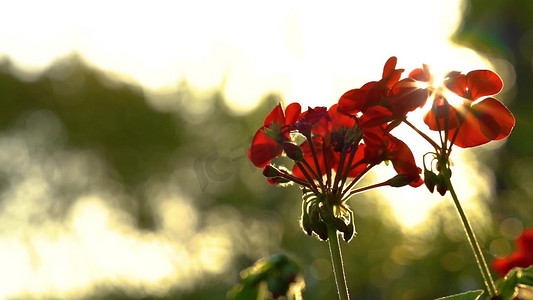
[526, 276]
[507, 287]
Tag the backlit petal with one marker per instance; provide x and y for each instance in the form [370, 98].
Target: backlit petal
[354, 101]
[390, 66]
[292, 113]
[497, 121]
[483, 83]
[263, 149]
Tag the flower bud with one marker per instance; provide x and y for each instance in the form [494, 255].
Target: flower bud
[271, 171]
[293, 151]
[274, 175]
[277, 180]
[321, 230]
[441, 184]
[430, 180]
[340, 225]
[318, 226]
[400, 180]
[349, 233]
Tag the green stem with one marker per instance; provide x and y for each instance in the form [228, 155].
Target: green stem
[336, 260]
[476, 249]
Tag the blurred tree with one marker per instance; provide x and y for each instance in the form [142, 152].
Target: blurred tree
[100, 114]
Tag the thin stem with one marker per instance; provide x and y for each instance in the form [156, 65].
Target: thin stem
[476, 249]
[356, 179]
[349, 167]
[308, 177]
[340, 169]
[308, 184]
[336, 260]
[326, 165]
[427, 138]
[366, 188]
[313, 152]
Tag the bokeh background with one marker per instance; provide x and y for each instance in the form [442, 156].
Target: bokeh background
[124, 129]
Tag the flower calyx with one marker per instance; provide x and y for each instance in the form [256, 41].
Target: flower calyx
[318, 212]
[439, 178]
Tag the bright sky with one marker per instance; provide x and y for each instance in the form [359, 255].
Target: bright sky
[306, 51]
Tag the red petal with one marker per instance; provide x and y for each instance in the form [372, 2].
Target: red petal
[374, 116]
[502, 266]
[276, 116]
[339, 119]
[491, 110]
[483, 83]
[354, 101]
[421, 74]
[390, 66]
[431, 120]
[436, 117]
[456, 82]
[470, 134]
[292, 113]
[486, 121]
[402, 158]
[405, 96]
[525, 241]
[263, 149]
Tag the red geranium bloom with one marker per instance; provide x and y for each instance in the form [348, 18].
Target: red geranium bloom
[385, 100]
[329, 139]
[324, 155]
[381, 146]
[478, 120]
[267, 141]
[522, 257]
[421, 74]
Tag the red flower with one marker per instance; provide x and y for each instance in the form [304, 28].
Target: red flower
[421, 74]
[522, 257]
[478, 120]
[385, 100]
[267, 142]
[329, 139]
[324, 156]
[381, 146]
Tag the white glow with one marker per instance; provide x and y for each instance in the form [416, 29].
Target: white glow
[308, 52]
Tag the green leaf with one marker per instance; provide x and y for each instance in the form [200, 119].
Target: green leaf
[471, 295]
[508, 287]
[526, 277]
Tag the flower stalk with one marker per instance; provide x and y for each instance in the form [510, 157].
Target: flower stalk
[474, 244]
[337, 263]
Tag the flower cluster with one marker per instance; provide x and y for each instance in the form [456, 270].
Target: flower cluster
[464, 116]
[522, 257]
[333, 148]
